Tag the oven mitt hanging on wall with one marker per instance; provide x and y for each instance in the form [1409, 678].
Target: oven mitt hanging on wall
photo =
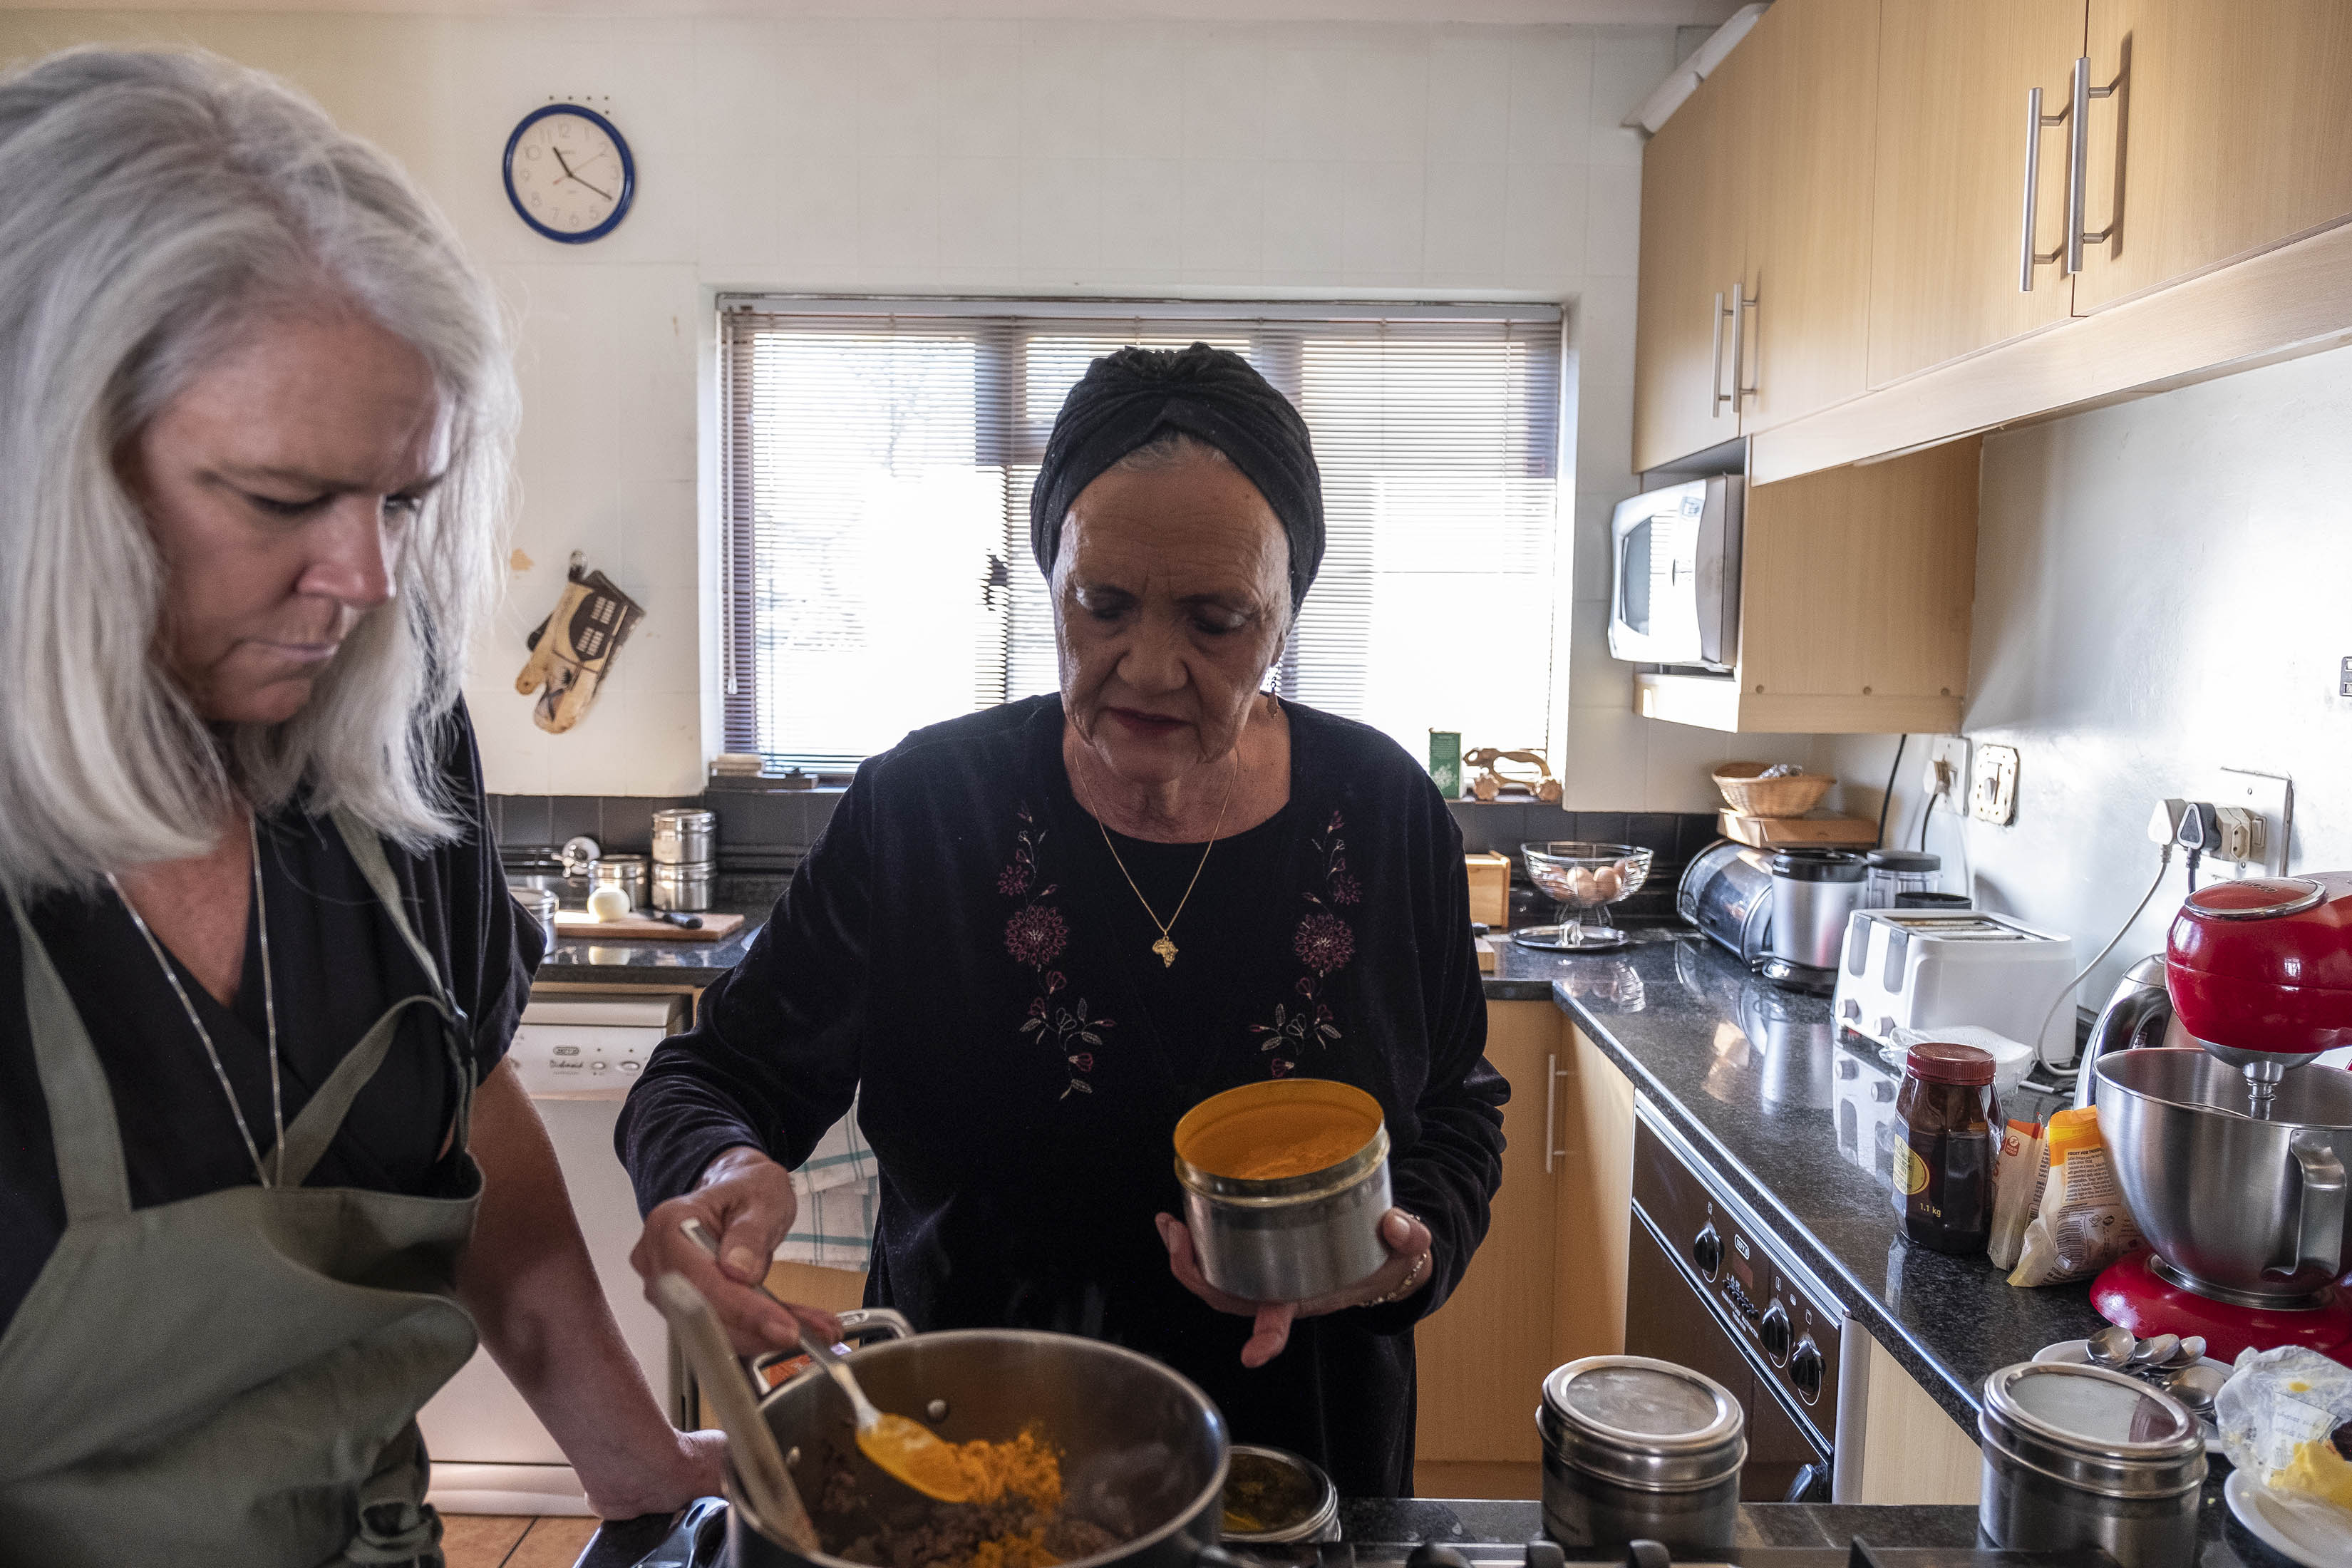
[573, 648]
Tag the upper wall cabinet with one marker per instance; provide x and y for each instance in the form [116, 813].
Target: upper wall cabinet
[1694, 253]
[1957, 81]
[1946, 215]
[2228, 129]
[1756, 234]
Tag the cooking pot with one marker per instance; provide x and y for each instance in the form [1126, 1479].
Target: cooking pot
[2246, 1208]
[1143, 1450]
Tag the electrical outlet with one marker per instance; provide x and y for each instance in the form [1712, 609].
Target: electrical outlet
[1947, 773]
[2263, 831]
[2343, 677]
[1992, 792]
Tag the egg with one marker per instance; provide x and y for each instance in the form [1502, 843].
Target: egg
[1608, 883]
[609, 903]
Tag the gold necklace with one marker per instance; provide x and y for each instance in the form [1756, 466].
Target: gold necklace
[1166, 946]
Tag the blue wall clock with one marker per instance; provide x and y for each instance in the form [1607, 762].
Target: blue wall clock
[569, 173]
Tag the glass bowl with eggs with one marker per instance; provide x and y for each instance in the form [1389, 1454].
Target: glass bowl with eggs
[1584, 878]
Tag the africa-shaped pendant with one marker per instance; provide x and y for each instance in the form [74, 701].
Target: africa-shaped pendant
[1167, 951]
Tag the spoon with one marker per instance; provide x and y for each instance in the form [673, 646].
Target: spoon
[2191, 1351]
[903, 1448]
[2152, 1353]
[2113, 1347]
[751, 1448]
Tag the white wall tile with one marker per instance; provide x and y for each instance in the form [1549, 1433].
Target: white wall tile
[1224, 100]
[980, 95]
[1613, 246]
[1606, 762]
[1141, 113]
[1382, 214]
[1464, 205]
[1551, 93]
[1061, 216]
[1061, 90]
[1469, 100]
[1306, 221]
[980, 225]
[1223, 218]
[1627, 66]
[1543, 223]
[898, 212]
[1142, 216]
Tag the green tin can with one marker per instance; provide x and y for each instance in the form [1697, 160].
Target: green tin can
[1445, 762]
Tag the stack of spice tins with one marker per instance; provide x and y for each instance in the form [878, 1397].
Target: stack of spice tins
[686, 857]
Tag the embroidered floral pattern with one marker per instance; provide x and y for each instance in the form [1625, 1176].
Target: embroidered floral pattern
[1036, 935]
[1324, 942]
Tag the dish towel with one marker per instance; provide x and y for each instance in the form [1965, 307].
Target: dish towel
[838, 1189]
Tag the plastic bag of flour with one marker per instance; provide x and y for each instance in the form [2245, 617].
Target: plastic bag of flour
[2285, 1418]
[2080, 1225]
[2019, 1171]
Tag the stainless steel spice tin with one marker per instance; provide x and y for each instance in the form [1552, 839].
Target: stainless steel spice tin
[538, 905]
[1285, 1237]
[1636, 1449]
[626, 872]
[2082, 1456]
[1288, 1499]
[685, 836]
[684, 887]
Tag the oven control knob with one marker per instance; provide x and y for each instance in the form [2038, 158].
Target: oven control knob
[1706, 1251]
[1774, 1331]
[1805, 1370]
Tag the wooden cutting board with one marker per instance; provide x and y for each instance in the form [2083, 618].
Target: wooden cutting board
[1785, 832]
[575, 925]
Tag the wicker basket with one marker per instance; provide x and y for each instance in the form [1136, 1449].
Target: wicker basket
[1752, 796]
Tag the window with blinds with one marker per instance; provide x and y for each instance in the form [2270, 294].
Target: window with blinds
[877, 459]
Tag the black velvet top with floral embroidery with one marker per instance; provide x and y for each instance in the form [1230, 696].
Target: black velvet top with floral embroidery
[960, 946]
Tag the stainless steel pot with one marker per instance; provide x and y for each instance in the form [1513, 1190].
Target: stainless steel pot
[1290, 1495]
[1143, 1450]
[2243, 1209]
[2080, 1456]
[685, 836]
[1636, 1449]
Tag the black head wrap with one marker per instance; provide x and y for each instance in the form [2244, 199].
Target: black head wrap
[1128, 397]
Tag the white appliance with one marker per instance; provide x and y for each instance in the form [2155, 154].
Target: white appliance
[1919, 969]
[577, 1060]
[1674, 574]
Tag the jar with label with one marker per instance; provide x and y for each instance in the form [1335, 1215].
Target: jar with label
[1944, 1146]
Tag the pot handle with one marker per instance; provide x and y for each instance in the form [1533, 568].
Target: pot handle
[2319, 1231]
[858, 1325]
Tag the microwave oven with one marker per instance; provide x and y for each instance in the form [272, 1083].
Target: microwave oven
[1674, 595]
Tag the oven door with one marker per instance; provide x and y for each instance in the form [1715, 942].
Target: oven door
[1667, 1319]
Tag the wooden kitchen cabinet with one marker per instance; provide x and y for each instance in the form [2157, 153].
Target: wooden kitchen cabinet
[1547, 1286]
[1482, 1357]
[1694, 252]
[1911, 1452]
[1948, 224]
[2229, 131]
[1812, 91]
[1855, 591]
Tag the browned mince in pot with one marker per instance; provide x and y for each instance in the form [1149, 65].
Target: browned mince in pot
[1023, 1525]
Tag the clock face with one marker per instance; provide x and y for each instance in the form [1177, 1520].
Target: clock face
[569, 173]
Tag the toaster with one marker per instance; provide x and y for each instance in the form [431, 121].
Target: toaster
[1927, 970]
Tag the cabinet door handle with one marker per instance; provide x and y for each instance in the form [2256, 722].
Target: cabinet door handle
[1714, 377]
[1552, 1074]
[2035, 122]
[2079, 169]
[1742, 302]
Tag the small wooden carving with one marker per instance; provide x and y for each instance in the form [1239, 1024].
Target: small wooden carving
[1493, 783]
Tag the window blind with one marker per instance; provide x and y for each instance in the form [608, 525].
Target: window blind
[876, 462]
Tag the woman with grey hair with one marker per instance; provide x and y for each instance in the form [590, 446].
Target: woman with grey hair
[259, 967]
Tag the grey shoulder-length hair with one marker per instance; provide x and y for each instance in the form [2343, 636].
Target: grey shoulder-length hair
[151, 205]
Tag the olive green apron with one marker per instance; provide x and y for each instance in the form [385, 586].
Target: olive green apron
[233, 1378]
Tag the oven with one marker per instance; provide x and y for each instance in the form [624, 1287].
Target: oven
[1710, 1287]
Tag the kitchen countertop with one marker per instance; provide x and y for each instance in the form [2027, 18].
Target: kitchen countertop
[1757, 1080]
[577, 961]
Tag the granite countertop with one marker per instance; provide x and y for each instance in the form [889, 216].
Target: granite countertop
[1757, 1079]
[578, 961]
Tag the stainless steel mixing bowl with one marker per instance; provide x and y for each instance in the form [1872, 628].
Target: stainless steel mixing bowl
[2244, 1209]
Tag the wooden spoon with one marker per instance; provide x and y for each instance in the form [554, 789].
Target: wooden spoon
[903, 1448]
[750, 1445]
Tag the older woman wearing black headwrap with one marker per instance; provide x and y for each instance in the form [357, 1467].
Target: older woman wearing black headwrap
[1033, 937]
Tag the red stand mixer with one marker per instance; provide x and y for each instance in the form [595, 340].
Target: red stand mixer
[2232, 1150]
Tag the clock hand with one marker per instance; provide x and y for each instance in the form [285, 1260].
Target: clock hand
[561, 160]
[578, 181]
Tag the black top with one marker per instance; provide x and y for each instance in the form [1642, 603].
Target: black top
[337, 961]
[959, 942]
